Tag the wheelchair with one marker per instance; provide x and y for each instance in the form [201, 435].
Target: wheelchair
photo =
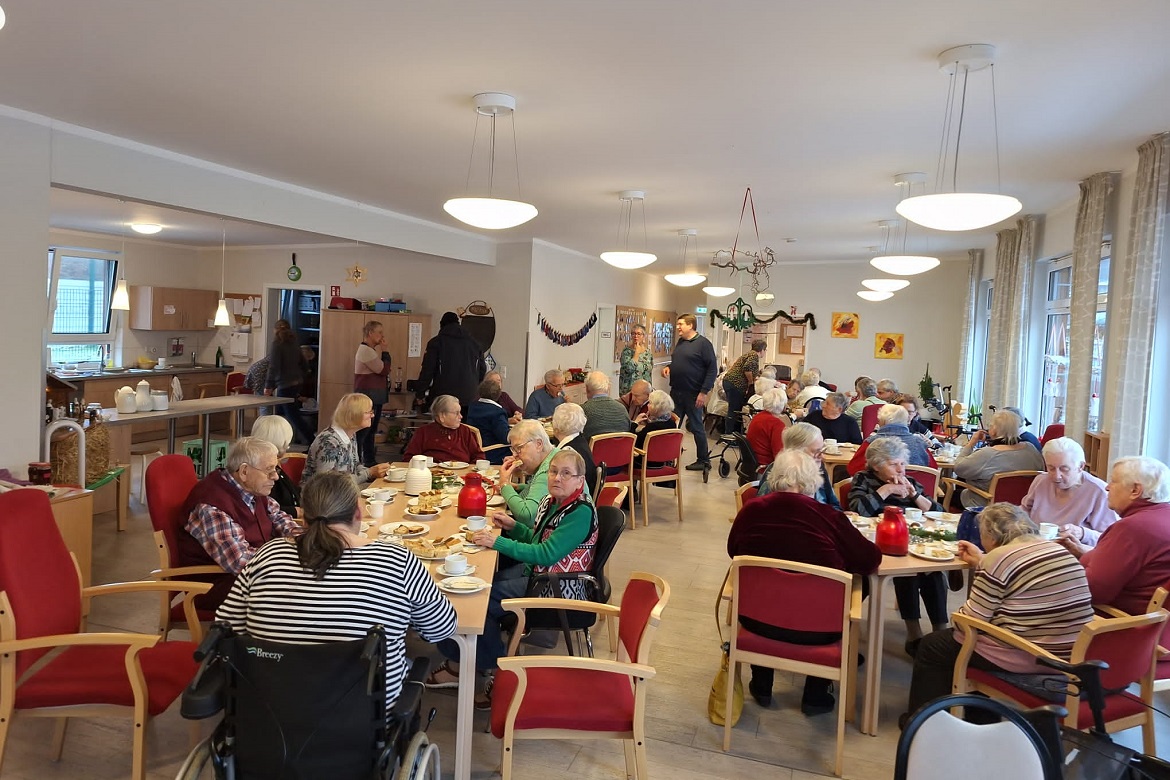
[736, 443]
[302, 712]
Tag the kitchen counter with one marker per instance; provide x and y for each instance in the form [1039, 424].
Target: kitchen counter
[73, 376]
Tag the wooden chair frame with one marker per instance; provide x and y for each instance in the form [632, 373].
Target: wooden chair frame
[911, 470]
[973, 627]
[629, 480]
[1157, 602]
[637, 670]
[646, 481]
[843, 497]
[479, 440]
[617, 499]
[845, 674]
[954, 484]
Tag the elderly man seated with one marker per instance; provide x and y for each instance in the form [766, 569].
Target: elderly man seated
[230, 515]
[832, 420]
[490, 418]
[887, 390]
[602, 413]
[544, 400]
[867, 390]
[635, 401]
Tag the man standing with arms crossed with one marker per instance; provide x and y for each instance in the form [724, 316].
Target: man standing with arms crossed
[692, 375]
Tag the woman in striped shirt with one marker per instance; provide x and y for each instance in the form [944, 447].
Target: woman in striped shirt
[332, 583]
[1023, 584]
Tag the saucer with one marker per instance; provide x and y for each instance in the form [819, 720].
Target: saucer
[442, 569]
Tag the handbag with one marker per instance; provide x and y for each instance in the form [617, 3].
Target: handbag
[717, 698]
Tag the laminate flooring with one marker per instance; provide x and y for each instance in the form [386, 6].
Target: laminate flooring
[777, 742]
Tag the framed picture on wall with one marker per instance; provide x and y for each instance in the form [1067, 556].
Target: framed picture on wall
[888, 346]
[846, 325]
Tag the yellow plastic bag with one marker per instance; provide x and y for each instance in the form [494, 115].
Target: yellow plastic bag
[717, 699]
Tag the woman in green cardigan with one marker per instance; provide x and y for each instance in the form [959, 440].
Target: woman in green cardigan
[531, 453]
[562, 540]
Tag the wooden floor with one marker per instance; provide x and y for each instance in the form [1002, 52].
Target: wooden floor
[777, 742]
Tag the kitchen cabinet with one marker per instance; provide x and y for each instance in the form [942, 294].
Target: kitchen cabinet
[172, 308]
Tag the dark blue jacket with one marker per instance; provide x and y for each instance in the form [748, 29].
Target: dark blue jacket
[693, 366]
[492, 422]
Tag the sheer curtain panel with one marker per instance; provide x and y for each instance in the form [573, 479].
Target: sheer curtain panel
[970, 309]
[1008, 337]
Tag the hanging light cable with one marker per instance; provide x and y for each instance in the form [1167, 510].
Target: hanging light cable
[687, 278]
[625, 258]
[894, 258]
[222, 320]
[121, 299]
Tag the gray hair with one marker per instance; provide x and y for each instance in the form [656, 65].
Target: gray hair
[768, 372]
[1007, 426]
[892, 414]
[568, 418]
[553, 373]
[887, 386]
[836, 399]
[867, 387]
[249, 449]
[774, 401]
[597, 382]
[574, 457]
[444, 403]
[641, 384]
[794, 471]
[1065, 446]
[1151, 474]
[274, 428]
[1003, 523]
[529, 430]
[660, 406]
[490, 389]
[764, 384]
[800, 435]
[883, 449]
[810, 377]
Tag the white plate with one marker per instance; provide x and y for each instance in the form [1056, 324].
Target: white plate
[370, 492]
[388, 479]
[472, 530]
[496, 501]
[453, 464]
[366, 525]
[472, 549]
[446, 502]
[442, 569]
[392, 529]
[462, 584]
[425, 518]
[945, 517]
[931, 553]
[492, 471]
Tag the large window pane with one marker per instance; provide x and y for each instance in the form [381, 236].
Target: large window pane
[1055, 370]
[84, 287]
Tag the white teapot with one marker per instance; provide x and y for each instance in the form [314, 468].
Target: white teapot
[142, 398]
[418, 476]
[124, 400]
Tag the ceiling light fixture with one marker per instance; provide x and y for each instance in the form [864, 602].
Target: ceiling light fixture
[145, 228]
[886, 285]
[893, 258]
[624, 258]
[3, 18]
[956, 210]
[222, 319]
[492, 213]
[687, 278]
[121, 299]
[874, 295]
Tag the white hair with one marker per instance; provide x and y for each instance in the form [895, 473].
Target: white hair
[794, 471]
[768, 372]
[774, 401]
[800, 435]
[1065, 446]
[892, 414]
[568, 418]
[810, 377]
[275, 429]
[660, 405]
[597, 382]
[250, 450]
[763, 385]
[1152, 475]
[529, 430]
[887, 386]
[884, 449]
[1006, 425]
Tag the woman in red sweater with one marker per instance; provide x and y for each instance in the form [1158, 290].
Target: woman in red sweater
[767, 427]
[446, 438]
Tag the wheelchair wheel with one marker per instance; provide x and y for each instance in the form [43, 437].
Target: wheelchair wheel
[420, 761]
[197, 760]
[724, 469]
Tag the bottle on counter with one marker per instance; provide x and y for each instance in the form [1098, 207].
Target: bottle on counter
[219, 357]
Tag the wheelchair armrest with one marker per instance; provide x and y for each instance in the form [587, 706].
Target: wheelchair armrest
[206, 695]
[409, 701]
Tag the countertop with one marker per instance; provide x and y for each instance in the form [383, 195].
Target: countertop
[71, 376]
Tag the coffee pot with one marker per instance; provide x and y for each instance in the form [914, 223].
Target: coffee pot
[418, 476]
[142, 398]
[892, 536]
[472, 497]
[125, 401]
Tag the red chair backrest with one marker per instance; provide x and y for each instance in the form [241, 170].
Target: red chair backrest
[235, 383]
[168, 481]
[1054, 431]
[294, 466]
[1012, 489]
[869, 419]
[797, 601]
[638, 601]
[843, 488]
[609, 495]
[1128, 653]
[663, 446]
[616, 450]
[36, 571]
[928, 479]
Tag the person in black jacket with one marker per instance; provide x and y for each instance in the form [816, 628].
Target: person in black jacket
[692, 375]
[832, 420]
[286, 376]
[453, 365]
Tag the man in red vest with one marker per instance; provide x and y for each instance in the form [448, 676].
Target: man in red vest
[230, 515]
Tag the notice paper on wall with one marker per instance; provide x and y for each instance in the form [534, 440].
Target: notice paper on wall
[794, 331]
[797, 346]
[414, 340]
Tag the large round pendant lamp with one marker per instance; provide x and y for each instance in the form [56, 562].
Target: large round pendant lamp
[625, 258]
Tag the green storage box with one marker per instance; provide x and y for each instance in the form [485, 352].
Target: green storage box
[193, 449]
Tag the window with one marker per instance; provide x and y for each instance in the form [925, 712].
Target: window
[81, 284]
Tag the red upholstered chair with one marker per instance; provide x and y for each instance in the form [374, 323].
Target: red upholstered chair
[1162, 660]
[233, 384]
[91, 675]
[1009, 486]
[1054, 431]
[800, 597]
[562, 697]
[842, 489]
[611, 495]
[869, 419]
[294, 466]
[660, 447]
[1127, 644]
[168, 481]
[617, 451]
[925, 476]
[857, 462]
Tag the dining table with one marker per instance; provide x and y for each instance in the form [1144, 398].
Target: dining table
[470, 608]
[845, 453]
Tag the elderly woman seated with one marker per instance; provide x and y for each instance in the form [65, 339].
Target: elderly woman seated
[892, 420]
[1068, 495]
[335, 448]
[865, 390]
[562, 540]
[658, 417]
[490, 418]
[885, 483]
[531, 455]
[567, 423]
[788, 523]
[341, 583]
[765, 432]
[447, 438]
[1023, 584]
[1004, 452]
[806, 437]
[275, 429]
[761, 386]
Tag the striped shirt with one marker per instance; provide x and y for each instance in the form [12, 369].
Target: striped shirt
[1035, 589]
[277, 599]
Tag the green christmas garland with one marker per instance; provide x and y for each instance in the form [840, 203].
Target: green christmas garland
[740, 316]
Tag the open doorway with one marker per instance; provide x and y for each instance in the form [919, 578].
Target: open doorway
[301, 306]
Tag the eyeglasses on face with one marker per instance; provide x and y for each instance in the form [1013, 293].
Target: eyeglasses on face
[271, 473]
[516, 448]
[562, 474]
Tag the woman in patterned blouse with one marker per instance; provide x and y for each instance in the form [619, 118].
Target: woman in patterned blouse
[637, 361]
[335, 448]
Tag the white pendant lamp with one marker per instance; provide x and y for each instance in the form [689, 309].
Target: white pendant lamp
[874, 295]
[894, 258]
[222, 319]
[718, 288]
[948, 208]
[687, 278]
[625, 258]
[145, 228]
[885, 285]
[492, 213]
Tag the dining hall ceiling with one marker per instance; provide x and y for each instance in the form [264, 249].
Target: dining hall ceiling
[815, 106]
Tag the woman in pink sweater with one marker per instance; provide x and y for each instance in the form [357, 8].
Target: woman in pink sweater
[1068, 495]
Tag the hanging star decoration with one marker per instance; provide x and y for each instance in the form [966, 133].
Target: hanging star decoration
[355, 274]
[739, 316]
[564, 339]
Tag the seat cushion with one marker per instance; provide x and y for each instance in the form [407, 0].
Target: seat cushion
[1117, 706]
[577, 699]
[824, 655]
[664, 471]
[97, 675]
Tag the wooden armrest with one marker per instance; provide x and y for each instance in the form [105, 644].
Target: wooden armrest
[186, 571]
[973, 625]
[146, 586]
[639, 452]
[133, 642]
[855, 599]
[516, 663]
[519, 605]
[494, 447]
[961, 485]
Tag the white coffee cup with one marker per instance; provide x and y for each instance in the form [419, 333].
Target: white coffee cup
[476, 522]
[483, 465]
[1049, 530]
[831, 447]
[913, 515]
[162, 363]
[375, 509]
[397, 474]
[430, 461]
[455, 564]
[383, 494]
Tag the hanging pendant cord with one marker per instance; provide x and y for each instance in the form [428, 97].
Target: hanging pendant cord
[222, 256]
[940, 174]
[959, 130]
[471, 162]
[492, 158]
[995, 124]
[516, 156]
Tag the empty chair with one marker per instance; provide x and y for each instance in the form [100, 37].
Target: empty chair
[869, 419]
[660, 463]
[616, 450]
[1009, 486]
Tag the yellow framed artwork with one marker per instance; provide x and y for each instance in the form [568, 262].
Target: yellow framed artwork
[888, 346]
[846, 325]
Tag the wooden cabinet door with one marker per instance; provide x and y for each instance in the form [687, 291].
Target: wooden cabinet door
[199, 308]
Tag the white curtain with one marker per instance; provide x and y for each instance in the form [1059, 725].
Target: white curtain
[970, 312]
[1008, 338]
[1090, 231]
[1133, 299]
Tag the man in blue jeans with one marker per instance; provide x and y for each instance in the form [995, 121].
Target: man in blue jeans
[692, 376]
